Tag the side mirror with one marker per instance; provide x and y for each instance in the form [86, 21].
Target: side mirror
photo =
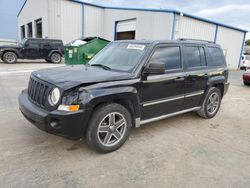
[154, 68]
[26, 44]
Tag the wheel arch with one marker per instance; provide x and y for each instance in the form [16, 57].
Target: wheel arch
[218, 82]
[54, 51]
[129, 100]
[11, 50]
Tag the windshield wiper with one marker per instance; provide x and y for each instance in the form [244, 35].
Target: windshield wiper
[103, 66]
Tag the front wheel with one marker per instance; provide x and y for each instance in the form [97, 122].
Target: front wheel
[109, 128]
[9, 57]
[56, 58]
[211, 103]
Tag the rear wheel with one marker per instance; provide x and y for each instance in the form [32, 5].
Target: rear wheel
[56, 58]
[9, 57]
[109, 128]
[211, 103]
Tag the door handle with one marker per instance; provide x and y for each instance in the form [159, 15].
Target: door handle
[179, 78]
[206, 75]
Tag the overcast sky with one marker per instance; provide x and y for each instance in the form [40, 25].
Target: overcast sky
[232, 12]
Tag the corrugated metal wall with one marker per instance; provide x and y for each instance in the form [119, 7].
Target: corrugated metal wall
[65, 20]
[231, 42]
[93, 21]
[191, 28]
[33, 10]
[149, 25]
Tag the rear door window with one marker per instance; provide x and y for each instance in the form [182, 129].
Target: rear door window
[56, 43]
[194, 56]
[216, 56]
[169, 55]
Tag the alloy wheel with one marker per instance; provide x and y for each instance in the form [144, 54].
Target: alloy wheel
[10, 58]
[55, 58]
[111, 129]
[213, 103]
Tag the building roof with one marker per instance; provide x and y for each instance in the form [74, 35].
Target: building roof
[154, 10]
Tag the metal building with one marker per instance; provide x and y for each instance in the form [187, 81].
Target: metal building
[71, 19]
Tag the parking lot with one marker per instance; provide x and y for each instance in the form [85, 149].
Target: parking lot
[182, 151]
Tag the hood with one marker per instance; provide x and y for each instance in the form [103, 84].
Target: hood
[67, 77]
[10, 46]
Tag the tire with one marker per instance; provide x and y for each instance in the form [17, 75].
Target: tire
[48, 60]
[208, 108]
[55, 58]
[9, 57]
[109, 137]
[246, 83]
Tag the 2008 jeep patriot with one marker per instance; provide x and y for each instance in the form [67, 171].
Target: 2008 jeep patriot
[127, 84]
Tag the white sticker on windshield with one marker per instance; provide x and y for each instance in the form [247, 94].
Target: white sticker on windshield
[136, 46]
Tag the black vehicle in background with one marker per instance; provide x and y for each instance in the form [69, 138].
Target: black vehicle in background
[127, 84]
[31, 48]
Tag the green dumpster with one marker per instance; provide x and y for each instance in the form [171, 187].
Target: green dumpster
[82, 52]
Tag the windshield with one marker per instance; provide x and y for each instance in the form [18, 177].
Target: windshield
[22, 42]
[119, 56]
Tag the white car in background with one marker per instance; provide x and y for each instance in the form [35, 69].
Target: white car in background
[245, 62]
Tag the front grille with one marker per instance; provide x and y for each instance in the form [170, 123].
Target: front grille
[38, 91]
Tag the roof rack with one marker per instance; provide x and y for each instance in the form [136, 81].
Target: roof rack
[199, 40]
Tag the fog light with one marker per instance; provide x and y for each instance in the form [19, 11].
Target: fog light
[69, 108]
[55, 124]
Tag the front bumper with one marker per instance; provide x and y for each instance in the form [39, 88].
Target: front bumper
[67, 124]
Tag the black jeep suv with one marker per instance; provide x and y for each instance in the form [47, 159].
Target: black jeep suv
[30, 48]
[127, 84]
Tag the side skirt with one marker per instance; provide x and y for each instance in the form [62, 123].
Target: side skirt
[138, 123]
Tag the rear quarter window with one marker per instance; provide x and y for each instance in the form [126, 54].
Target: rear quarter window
[56, 43]
[216, 57]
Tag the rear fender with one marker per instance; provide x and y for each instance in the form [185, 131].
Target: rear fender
[53, 51]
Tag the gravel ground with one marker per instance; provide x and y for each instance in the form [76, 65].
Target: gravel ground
[182, 151]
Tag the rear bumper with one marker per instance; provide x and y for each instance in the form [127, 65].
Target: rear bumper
[226, 86]
[67, 124]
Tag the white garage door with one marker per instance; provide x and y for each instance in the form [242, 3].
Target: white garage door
[128, 25]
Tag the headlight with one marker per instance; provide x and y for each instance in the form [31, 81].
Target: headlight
[71, 98]
[54, 97]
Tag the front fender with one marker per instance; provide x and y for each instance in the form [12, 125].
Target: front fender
[103, 95]
[19, 55]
